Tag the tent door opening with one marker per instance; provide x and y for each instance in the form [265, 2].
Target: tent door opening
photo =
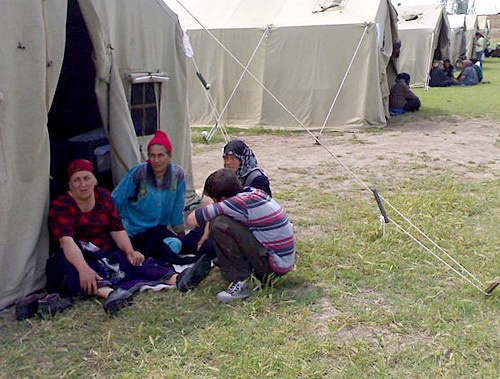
[74, 122]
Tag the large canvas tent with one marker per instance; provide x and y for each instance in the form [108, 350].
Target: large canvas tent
[472, 27]
[458, 46]
[484, 25]
[425, 35]
[300, 54]
[67, 68]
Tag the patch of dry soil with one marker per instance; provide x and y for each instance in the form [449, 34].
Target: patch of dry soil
[469, 148]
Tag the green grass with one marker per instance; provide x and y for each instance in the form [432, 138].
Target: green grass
[358, 305]
[479, 101]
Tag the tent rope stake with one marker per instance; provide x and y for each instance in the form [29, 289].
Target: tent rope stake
[454, 265]
[463, 273]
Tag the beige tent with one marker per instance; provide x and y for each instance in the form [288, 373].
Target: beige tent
[458, 45]
[484, 25]
[85, 64]
[470, 35]
[425, 35]
[299, 53]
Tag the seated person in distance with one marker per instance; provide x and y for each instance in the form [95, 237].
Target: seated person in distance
[401, 97]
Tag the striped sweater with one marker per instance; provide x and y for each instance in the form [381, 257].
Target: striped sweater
[265, 218]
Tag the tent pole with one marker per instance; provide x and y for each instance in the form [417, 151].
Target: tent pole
[431, 58]
[245, 70]
[344, 79]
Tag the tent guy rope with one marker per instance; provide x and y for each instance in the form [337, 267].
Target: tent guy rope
[454, 266]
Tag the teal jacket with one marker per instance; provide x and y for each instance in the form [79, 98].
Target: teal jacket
[143, 203]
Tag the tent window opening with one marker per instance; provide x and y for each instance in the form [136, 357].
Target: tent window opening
[144, 109]
[145, 101]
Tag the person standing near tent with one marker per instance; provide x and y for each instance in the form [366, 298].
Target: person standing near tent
[250, 231]
[479, 47]
[150, 200]
[239, 158]
[401, 97]
[96, 256]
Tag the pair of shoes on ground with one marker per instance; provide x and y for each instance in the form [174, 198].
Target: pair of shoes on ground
[47, 305]
[236, 291]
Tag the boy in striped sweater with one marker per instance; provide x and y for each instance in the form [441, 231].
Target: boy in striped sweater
[250, 231]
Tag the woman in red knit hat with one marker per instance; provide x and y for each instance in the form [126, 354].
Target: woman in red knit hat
[150, 200]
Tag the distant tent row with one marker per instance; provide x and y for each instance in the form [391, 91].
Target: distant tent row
[304, 54]
[425, 35]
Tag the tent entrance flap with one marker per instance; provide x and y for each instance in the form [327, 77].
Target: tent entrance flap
[74, 122]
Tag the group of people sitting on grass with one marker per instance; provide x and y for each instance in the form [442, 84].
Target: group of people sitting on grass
[443, 73]
[112, 245]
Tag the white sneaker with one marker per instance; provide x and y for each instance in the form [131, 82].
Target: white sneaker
[237, 290]
[155, 287]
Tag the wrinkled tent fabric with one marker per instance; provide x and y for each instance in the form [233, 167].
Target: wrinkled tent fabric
[27, 84]
[136, 35]
[302, 61]
[458, 46]
[423, 38]
[483, 23]
[470, 35]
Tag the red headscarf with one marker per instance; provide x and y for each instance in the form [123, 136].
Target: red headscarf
[161, 138]
[79, 165]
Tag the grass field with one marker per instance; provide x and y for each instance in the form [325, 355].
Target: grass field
[358, 305]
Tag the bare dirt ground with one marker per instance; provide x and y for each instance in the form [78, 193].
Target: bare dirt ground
[405, 149]
[468, 147]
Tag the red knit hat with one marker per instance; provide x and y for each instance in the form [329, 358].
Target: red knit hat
[161, 138]
[79, 165]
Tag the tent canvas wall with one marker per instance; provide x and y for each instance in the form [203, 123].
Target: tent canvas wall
[425, 35]
[470, 35]
[484, 26]
[127, 38]
[458, 46]
[300, 56]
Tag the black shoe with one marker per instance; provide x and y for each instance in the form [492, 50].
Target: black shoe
[53, 303]
[116, 300]
[192, 276]
[26, 307]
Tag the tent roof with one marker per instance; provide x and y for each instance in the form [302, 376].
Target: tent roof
[419, 16]
[238, 14]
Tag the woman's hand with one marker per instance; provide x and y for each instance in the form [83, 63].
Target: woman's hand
[88, 280]
[135, 258]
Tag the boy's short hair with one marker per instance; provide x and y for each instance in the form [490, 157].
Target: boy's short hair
[222, 183]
